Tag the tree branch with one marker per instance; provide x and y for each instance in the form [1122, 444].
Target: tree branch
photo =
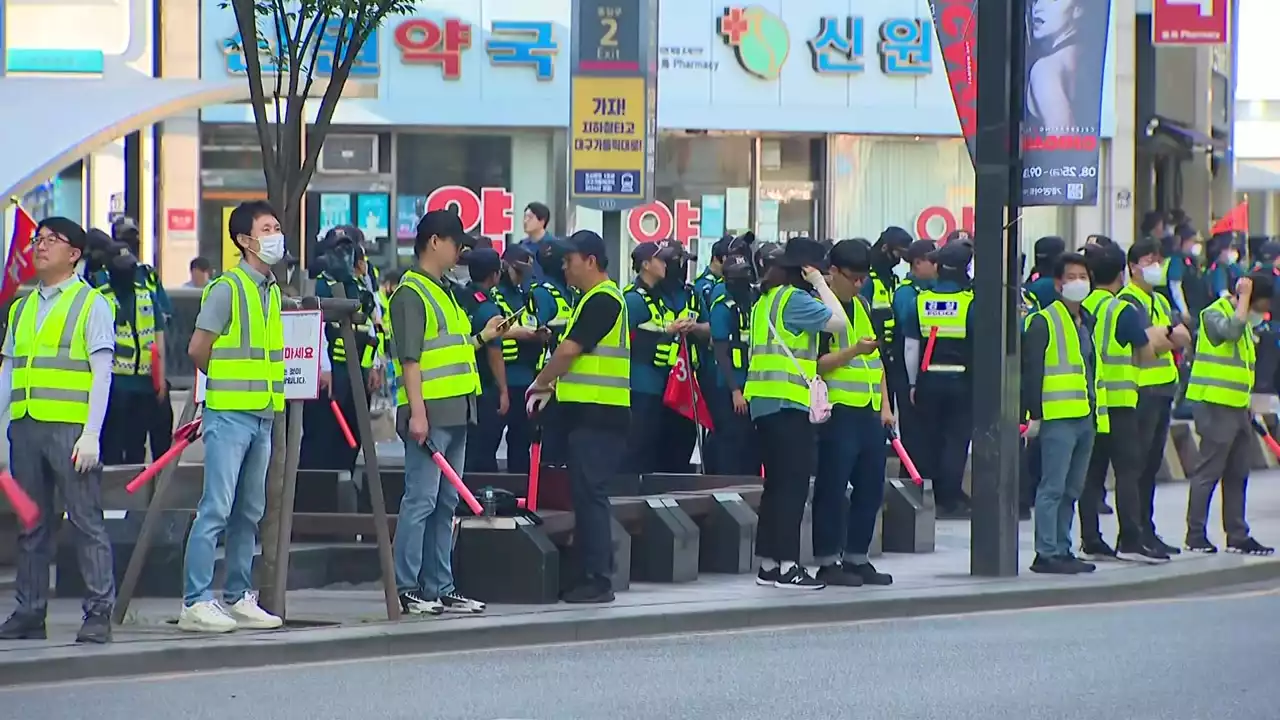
[282, 38]
[246, 14]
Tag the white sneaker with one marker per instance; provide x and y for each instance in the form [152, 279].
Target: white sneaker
[206, 617]
[247, 615]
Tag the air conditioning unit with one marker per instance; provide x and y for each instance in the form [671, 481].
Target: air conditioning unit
[349, 155]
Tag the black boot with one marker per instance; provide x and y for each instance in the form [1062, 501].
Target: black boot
[23, 627]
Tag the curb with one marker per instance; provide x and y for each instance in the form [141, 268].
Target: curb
[173, 655]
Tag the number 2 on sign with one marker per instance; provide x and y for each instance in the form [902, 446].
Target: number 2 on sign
[610, 37]
[1205, 6]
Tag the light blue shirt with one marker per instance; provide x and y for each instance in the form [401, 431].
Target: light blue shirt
[802, 313]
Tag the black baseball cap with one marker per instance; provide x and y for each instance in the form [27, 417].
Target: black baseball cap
[644, 252]
[517, 255]
[850, 255]
[920, 249]
[444, 224]
[955, 256]
[482, 262]
[803, 252]
[587, 244]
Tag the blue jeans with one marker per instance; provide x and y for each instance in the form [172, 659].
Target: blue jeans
[1065, 447]
[851, 452]
[237, 448]
[424, 527]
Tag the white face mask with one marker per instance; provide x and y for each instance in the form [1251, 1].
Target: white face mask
[1152, 274]
[1076, 290]
[1255, 318]
[271, 248]
[1197, 250]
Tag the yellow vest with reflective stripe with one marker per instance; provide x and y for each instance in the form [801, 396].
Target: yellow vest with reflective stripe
[246, 367]
[1222, 374]
[564, 313]
[603, 375]
[1064, 392]
[882, 306]
[856, 383]
[1117, 368]
[770, 373]
[136, 335]
[448, 360]
[949, 313]
[51, 374]
[1163, 369]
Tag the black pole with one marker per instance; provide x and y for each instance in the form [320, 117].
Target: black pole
[997, 290]
[611, 232]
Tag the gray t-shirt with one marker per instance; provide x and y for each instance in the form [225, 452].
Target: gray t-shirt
[215, 311]
[409, 329]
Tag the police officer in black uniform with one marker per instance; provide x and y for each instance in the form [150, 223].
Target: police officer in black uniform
[887, 252]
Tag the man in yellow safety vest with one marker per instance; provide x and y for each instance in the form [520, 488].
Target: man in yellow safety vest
[55, 383]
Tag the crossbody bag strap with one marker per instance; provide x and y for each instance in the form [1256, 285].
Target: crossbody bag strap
[774, 332]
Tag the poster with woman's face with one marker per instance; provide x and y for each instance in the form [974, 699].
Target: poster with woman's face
[1066, 50]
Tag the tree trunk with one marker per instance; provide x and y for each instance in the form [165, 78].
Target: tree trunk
[270, 527]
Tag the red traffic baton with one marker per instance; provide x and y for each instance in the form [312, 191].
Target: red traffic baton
[26, 509]
[530, 502]
[452, 476]
[342, 423]
[928, 348]
[896, 442]
[182, 437]
[1261, 429]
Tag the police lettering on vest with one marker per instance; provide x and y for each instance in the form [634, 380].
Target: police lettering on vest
[51, 373]
[771, 373]
[1162, 369]
[857, 382]
[246, 367]
[948, 313]
[1222, 374]
[448, 360]
[603, 375]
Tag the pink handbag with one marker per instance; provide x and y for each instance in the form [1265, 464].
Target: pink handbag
[819, 403]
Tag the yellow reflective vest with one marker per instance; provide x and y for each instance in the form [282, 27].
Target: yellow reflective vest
[1163, 369]
[771, 373]
[857, 382]
[448, 359]
[1222, 374]
[1118, 370]
[135, 335]
[246, 367]
[51, 373]
[603, 375]
[1064, 393]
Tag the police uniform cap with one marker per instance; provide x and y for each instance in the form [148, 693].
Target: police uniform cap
[644, 252]
[1050, 246]
[736, 267]
[955, 256]
[920, 249]
[482, 262]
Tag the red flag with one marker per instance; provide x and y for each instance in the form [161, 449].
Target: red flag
[683, 393]
[957, 28]
[1235, 221]
[20, 267]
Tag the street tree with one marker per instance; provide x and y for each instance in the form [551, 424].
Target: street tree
[305, 53]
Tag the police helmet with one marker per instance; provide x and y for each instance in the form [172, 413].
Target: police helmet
[767, 255]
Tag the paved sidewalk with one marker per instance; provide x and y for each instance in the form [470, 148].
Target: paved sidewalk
[348, 622]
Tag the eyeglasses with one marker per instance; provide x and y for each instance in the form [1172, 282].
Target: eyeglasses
[50, 239]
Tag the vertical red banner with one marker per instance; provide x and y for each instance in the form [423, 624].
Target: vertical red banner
[957, 28]
[20, 267]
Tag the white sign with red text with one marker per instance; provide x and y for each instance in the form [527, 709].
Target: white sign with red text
[1189, 22]
[303, 343]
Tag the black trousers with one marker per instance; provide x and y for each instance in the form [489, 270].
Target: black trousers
[714, 396]
[486, 436]
[788, 445]
[1118, 450]
[946, 414]
[1154, 415]
[324, 447]
[661, 440]
[911, 426]
[130, 417]
[593, 460]
[736, 449]
[161, 429]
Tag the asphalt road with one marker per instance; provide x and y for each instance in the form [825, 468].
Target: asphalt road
[1191, 659]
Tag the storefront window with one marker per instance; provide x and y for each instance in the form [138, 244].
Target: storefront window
[922, 184]
[713, 174]
[61, 196]
[789, 188]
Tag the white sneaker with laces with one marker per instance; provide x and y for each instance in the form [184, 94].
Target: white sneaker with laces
[248, 615]
[206, 617]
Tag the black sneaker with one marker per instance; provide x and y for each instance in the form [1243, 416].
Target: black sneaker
[797, 578]
[1077, 564]
[593, 591]
[1046, 565]
[1098, 550]
[454, 602]
[839, 575]
[1201, 545]
[768, 577]
[1166, 547]
[96, 629]
[1142, 553]
[868, 573]
[23, 627]
[1249, 546]
[413, 603]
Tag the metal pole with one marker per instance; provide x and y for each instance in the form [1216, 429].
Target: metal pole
[293, 448]
[137, 560]
[996, 403]
[373, 475]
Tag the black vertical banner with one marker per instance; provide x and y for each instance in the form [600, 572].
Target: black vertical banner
[1066, 51]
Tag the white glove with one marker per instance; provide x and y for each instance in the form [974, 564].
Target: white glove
[1033, 429]
[87, 453]
[536, 398]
